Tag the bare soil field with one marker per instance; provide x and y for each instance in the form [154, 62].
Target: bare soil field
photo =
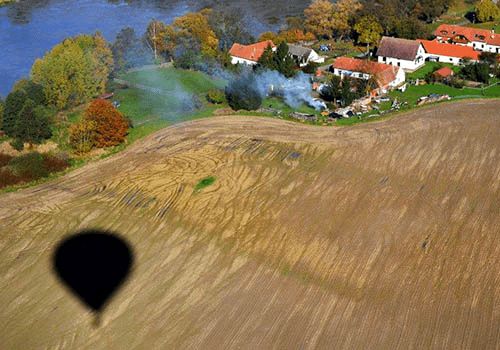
[380, 236]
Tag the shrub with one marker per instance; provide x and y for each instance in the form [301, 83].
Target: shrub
[55, 163]
[216, 96]
[4, 159]
[82, 136]
[456, 83]
[110, 125]
[30, 166]
[17, 144]
[8, 178]
[311, 68]
[476, 71]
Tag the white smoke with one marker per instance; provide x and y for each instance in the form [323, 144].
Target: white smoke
[294, 91]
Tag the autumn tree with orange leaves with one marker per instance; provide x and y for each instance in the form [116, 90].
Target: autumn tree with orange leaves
[111, 127]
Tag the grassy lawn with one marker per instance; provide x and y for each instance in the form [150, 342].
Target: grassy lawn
[486, 25]
[339, 48]
[427, 68]
[179, 95]
[412, 94]
[276, 103]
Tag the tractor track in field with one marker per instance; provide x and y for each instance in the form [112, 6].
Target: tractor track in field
[384, 235]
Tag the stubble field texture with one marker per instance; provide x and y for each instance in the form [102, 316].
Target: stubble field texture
[385, 235]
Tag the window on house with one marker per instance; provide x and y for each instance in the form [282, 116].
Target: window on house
[451, 59]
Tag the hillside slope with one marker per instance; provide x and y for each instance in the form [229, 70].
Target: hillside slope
[383, 236]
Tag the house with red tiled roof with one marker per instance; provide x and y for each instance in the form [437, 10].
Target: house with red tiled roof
[479, 39]
[249, 54]
[386, 75]
[448, 53]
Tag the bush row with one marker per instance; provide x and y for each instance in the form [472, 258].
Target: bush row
[29, 167]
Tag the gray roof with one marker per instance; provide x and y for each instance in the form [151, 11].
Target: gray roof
[299, 51]
[402, 49]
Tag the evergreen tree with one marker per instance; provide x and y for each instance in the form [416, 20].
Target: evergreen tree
[284, 61]
[266, 60]
[279, 61]
[347, 95]
[331, 91]
[13, 105]
[32, 124]
[1, 112]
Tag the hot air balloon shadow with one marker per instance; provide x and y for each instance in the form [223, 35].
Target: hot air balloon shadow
[93, 264]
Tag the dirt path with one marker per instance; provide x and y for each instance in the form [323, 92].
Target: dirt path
[381, 236]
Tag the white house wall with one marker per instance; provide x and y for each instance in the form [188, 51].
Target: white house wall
[479, 46]
[400, 78]
[406, 64]
[239, 60]
[314, 57]
[444, 59]
[347, 73]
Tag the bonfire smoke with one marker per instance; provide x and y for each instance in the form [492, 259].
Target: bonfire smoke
[294, 91]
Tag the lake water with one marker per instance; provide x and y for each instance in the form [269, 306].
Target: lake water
[30, 28]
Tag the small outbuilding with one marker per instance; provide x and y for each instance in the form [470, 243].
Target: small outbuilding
[443, 73]
[304, 55]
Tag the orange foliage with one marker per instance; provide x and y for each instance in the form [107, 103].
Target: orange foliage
[111, 126]
[296, 35]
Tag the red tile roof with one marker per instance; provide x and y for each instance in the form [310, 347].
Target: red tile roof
[466, 34]
[383, 73]
[250, 52]
[444, 72]
[443, 49]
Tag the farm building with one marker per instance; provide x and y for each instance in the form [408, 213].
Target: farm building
[404, 53]
[386, 75]
[303, 55]
[479, 39]
[443, 73]
[448, 53]
[249, 54]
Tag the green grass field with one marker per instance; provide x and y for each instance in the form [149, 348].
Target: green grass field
[179, 94]
[413, 93]
[427, 68]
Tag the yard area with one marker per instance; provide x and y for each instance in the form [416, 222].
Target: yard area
[428, 68]
[159, 97]
[166, 94]
[413, 93]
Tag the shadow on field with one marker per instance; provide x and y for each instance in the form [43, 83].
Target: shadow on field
[93, 264]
